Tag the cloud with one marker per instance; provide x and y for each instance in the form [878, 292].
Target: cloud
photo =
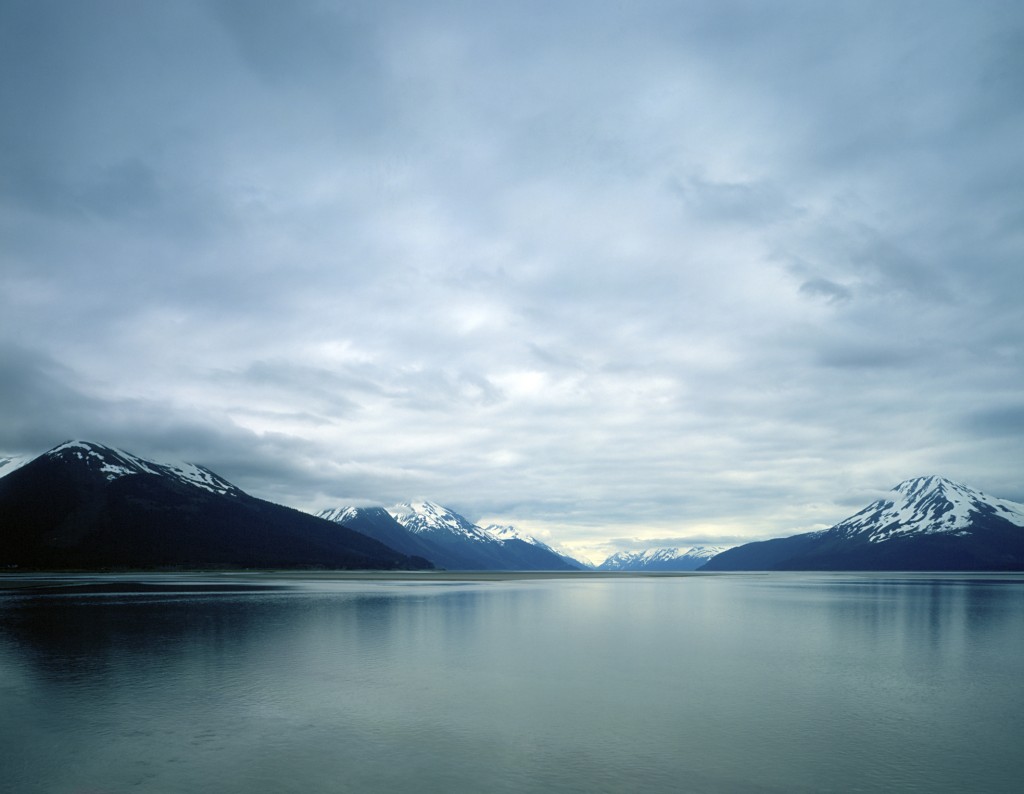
[35, 391]
[648, 271]
[735, 202]
[828, 290]
[1000, 421]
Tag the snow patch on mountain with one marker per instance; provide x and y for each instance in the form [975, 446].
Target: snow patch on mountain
[686, 558]
[9, 463]
[426, 518]
[927, 505]
[116, 463]
[509, 532]
[339, 515]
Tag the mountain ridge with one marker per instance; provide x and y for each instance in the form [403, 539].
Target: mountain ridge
[475, 546]
[929, 504]
[449, 540]
[923, 523]
[83, 505]
[511, 532]
[678, 558]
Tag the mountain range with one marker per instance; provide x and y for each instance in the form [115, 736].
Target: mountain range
[450, 540]
[84, 505]
[88, 506]
[925, 523]
[666, 559]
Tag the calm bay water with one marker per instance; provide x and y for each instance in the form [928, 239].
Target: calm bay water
[253, 683]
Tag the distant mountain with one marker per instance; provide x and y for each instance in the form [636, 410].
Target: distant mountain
[668, 559]
[509, 532]
[466, 546]
[377, 523]
[926, 523]
[86, 506]
[449, 540]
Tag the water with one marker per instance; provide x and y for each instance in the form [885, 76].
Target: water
[729, 683]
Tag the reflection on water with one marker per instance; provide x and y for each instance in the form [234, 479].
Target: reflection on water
[792, 682]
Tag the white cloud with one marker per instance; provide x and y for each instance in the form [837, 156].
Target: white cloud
[614, 272]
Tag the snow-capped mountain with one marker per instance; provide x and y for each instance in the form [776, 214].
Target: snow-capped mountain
[88, 506]
[925, 523]
[462, 545]
[927, 505]
[449, 540]
[116, 463]
[339, 515]
[377, 523]
[666, 559]
[429, 518]
[510, 532]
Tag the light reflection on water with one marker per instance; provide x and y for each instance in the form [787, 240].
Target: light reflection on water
[793, 682]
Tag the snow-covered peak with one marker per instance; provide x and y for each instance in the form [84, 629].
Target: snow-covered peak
[705, 552]
[430, 518]
[927, 505]
[339, 515]
[509, 532]
[684, 557]
[116, 463]
[619, 561]
[504, 532]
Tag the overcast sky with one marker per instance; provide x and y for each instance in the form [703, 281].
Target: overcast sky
[621, 273]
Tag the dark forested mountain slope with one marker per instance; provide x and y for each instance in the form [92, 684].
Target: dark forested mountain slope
[86, 506]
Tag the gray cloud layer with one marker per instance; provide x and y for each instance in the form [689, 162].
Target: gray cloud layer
[698, 270]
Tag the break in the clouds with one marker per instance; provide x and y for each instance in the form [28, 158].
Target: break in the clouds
[603, 270]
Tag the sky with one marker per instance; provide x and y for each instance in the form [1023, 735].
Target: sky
[622, 274]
